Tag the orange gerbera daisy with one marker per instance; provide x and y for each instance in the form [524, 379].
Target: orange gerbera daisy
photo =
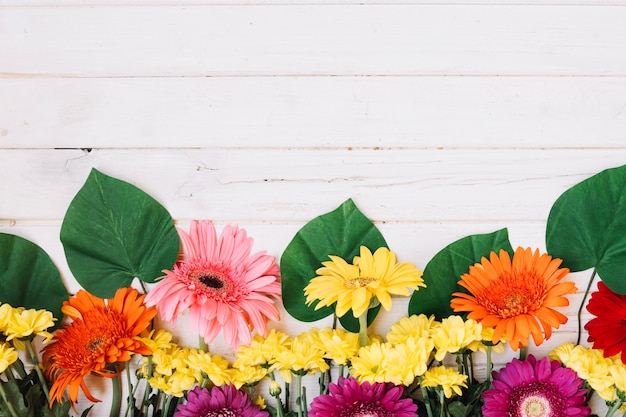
[515, 297]
[101, 333]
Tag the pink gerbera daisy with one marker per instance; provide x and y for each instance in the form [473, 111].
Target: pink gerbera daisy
[221, 401]
[533, 388]
[348, 398]
[221, 283]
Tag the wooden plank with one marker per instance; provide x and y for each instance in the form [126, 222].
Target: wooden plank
[102, 41]
[283, 185]
[313, 112]
[180, 3]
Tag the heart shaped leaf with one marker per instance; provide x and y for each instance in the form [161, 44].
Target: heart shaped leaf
[28, 277]
[113, 232]
[340, 232]
[444, 271]
[587, 227]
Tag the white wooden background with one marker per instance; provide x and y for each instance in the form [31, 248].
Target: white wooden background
[440, 119]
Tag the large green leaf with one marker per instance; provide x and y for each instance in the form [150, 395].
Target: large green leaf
[28, 277]
[114, 232]
[444, 271]
[340, 232]
[587, 227]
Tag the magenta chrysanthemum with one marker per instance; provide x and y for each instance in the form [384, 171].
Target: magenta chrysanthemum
[535, 388]
[221, 401]
[221, 283]
[348, 398]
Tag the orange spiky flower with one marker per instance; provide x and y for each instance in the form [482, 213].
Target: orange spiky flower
[516, 297]
[101, 333]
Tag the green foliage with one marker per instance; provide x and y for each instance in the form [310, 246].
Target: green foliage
[587, 227]
[340, 232]
[113, 232]
[28, 277]
[443, 272]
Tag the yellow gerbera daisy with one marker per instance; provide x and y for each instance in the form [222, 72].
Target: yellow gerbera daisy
[8, 355]
[355, 286]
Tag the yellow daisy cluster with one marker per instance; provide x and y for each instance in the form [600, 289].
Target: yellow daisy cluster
[412, 344]
[19, 324]
[174, 370]
[607, 376]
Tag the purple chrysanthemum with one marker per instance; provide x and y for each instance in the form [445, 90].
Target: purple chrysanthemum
[535, 388]
[348, 398]
[221, 401]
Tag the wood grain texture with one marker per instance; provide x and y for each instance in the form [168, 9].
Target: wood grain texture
[103, 41]
[440, 119]
[313, 112]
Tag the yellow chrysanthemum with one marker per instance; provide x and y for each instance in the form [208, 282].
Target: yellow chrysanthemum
[591, 365]
[356, 286]
[562, 353]
[262, 351]
[454, 334]
[157, 340]
[206, 366]
[367, 364]
[338, 345]
[180, 381]
[6, 311]
[447, 378]
[406, 361]
[25, 323]
[302, 358]
[247, 375]
[8, 355]
[415, 326]
[618, 373]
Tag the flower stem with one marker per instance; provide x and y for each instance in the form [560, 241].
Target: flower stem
[42, 380]
[131, 393]
[363, 329]
[202, 344]
[489, 365]
[426, 399]
[299, 399]
[616, 405]
[116, 400]
[8, 405]
[148, 389]
[523, 353]
[582, 305]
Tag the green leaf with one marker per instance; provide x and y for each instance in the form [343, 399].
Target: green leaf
[340, 232]
[443, 272]
[28, 277]
[114, 232]
[14, 396]
[587, 227]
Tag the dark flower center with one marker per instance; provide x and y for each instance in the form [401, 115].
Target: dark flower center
[224, 412]
[212, 281]
[359, 409]
[95, 343]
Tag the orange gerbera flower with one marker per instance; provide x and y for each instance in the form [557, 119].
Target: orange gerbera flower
[515, 297]
[100, 334]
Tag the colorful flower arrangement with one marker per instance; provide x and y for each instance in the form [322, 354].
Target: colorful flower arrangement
[477, 297]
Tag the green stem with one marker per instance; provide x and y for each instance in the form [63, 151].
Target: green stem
[442, 402]
[489, 365]
[426, 399]
[341, 369]
[363, 329]
[203, 346]
[148, 390]
[616, 405]
[131, 393]
[582, 305]
[42, 380]
[8, 405]
[523, 353]
[299, 391]
[287, 396]
[116, 400]
[303, 401]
